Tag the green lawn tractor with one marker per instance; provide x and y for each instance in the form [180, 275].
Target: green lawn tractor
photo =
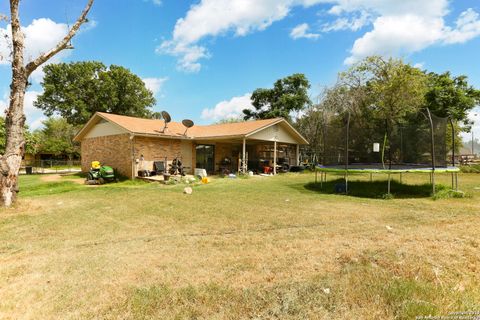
[99, 174]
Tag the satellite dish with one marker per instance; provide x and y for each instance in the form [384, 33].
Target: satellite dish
[188, 124]
[166, 118]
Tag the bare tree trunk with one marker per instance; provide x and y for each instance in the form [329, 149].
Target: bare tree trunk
[11, 161]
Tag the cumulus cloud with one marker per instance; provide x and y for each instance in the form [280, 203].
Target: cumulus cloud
[211, 18]
[400, 27]
[354, 23]
[301, 31]
[33, 114]
[396, 27]
[228, 109]
[40, 36]
[154, 84]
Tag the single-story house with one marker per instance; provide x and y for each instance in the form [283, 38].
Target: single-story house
[132, 144]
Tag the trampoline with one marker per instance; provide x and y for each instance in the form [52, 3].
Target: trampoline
[420, 143]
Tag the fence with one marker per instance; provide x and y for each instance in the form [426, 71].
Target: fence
[50, 166]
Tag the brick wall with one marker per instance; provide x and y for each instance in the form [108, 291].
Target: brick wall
[114, 151]
[229, 150]
[155, 149]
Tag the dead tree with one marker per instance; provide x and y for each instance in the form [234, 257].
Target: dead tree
[10, 162]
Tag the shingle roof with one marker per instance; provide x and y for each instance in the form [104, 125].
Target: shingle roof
[177, 129]
[154, 126]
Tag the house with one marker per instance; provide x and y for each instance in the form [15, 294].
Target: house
[131, 144]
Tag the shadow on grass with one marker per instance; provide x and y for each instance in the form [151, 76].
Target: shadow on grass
[376, 189]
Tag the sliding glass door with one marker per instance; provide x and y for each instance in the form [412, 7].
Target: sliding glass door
[206, 157]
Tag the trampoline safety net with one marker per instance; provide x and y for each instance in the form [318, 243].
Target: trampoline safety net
[356, 142]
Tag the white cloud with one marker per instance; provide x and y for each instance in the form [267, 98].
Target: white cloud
[353, 23]
[301, 31]
[154, 84]
[211, 18]
[397, 35]
[228, 109]
[34, 115]
[40, 36]
[400, 27]
[467, 28]
[3, 104]
[155, 2]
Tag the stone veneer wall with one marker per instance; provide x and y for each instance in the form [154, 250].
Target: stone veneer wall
[114, 150]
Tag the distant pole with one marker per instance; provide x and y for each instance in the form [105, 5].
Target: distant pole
[453, 142]
[472, 142]
[473, 150]
[346, 153]
[275, 156]
[432, 150]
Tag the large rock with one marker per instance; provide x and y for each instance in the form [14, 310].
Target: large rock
[187, 190]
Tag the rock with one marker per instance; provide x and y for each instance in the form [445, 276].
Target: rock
[389, 228]
[187, 190]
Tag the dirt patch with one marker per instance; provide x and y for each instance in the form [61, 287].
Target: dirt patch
[58, 178]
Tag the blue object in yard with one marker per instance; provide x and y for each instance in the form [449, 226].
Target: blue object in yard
[340, 188]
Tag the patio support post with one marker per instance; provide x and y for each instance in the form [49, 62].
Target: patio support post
[244, 169]
[275, 157]
[298, 155]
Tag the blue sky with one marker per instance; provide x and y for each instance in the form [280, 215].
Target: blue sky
[203, 58]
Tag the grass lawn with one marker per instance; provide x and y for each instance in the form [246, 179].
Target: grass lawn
[258, 248]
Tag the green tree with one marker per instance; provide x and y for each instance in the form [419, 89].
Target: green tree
[449, 96]
[32, 138]
[57, 138]
[393, 89]
[77, 90]
[287, 95]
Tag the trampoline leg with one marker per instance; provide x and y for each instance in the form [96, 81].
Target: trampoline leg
[433, 182]
[346, 182]
[453, 186]
[316, 174]
[388, 190]
[456, 181]
[321, 180]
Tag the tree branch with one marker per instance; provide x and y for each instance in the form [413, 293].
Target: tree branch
[34, 64]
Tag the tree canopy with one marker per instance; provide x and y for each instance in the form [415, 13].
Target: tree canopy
[384, 94]
[56, 137]
[450, 96]
[287, 95]
[389, 89]
[32, 139]
[77, 90]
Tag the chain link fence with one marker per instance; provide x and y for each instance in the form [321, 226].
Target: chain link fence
[50, 166]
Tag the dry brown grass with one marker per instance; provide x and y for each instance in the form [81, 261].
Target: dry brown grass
[256, 248]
